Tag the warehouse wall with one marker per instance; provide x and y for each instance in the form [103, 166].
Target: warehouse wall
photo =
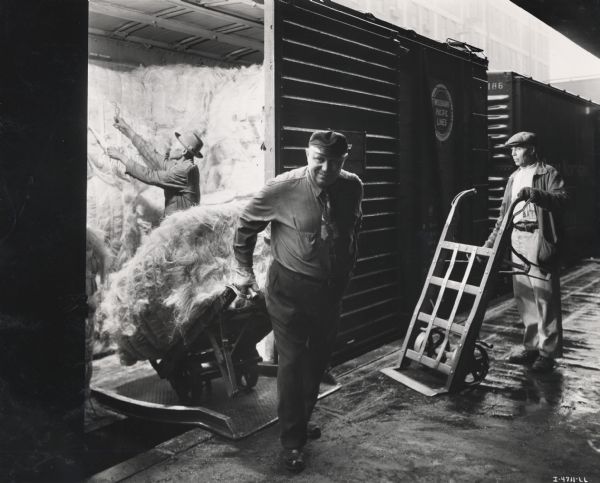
[588, 88]
[512, 39]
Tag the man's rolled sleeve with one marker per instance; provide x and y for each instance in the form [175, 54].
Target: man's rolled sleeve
[169, 178]
[152, 158]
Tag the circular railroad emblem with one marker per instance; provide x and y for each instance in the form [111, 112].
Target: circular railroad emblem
[443, 112]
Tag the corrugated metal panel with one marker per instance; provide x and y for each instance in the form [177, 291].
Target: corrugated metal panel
[500, 128]
[231, 33]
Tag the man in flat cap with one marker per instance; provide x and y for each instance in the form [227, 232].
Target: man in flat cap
[315, 214]
[175, 171]
[538, 298]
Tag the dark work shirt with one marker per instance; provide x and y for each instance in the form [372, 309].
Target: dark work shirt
[290, 202]
[180, 180]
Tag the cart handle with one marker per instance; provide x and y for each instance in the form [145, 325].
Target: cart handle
[462, 194]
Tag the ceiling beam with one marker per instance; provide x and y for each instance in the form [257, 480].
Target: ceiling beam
[163, 45]
[251, 3]
[125, 13]
[217, 14]
[238, 54]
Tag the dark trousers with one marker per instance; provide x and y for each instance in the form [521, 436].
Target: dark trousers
[305, 316]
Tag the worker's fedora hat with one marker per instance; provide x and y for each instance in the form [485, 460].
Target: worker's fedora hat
[191, 141]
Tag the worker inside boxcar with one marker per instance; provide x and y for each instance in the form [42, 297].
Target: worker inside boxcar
[541, 191]
[315, 213]
[175, 171]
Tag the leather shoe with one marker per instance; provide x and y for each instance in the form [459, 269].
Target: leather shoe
[313, 431]
[543, 364]
[522, 356]
[293, 460]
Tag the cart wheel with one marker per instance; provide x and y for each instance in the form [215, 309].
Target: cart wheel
[201, 389]
[432, 345]
[436, 338]
[180, 383]
[248, 376]
[434, 341]
[478, 366]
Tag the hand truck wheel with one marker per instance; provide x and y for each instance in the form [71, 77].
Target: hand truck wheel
[201, 389]
[180, 382]
[478, 366]
[432, 345]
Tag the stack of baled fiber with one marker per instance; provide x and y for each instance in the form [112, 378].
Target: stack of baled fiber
[178, 269]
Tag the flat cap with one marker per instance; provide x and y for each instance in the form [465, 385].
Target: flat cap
[522, 138]
[330, 143]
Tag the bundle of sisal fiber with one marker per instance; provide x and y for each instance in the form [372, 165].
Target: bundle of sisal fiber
[178, 269]
[99, 261]
[123, 208]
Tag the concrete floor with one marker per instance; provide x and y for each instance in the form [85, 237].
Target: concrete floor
[515, 426]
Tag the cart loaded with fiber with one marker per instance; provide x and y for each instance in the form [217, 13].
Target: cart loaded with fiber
[219, 341]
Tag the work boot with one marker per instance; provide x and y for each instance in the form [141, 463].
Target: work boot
[293, 459]
[543, 364]
[313, 431]
[522, 356]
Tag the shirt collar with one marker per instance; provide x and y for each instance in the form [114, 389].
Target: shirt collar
[540, 168]
[531, 167]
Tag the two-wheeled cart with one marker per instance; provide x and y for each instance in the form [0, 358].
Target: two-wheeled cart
[208, 377]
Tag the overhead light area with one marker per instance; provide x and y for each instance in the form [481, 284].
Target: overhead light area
[223, 31]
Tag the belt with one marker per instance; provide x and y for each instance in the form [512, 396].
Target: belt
[329, 282]
[526, 226]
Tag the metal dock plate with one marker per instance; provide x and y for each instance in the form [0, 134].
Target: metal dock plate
[149, 397]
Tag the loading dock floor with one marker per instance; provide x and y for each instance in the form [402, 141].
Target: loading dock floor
[516, 426]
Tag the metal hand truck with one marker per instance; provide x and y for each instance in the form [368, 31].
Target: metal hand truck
[443, 331]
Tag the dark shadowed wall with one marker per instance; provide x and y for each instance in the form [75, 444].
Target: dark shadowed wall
[42, 236]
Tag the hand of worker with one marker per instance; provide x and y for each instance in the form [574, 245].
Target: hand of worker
[120, 124]
[115, 153]
[245, 281]
[528, 193]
